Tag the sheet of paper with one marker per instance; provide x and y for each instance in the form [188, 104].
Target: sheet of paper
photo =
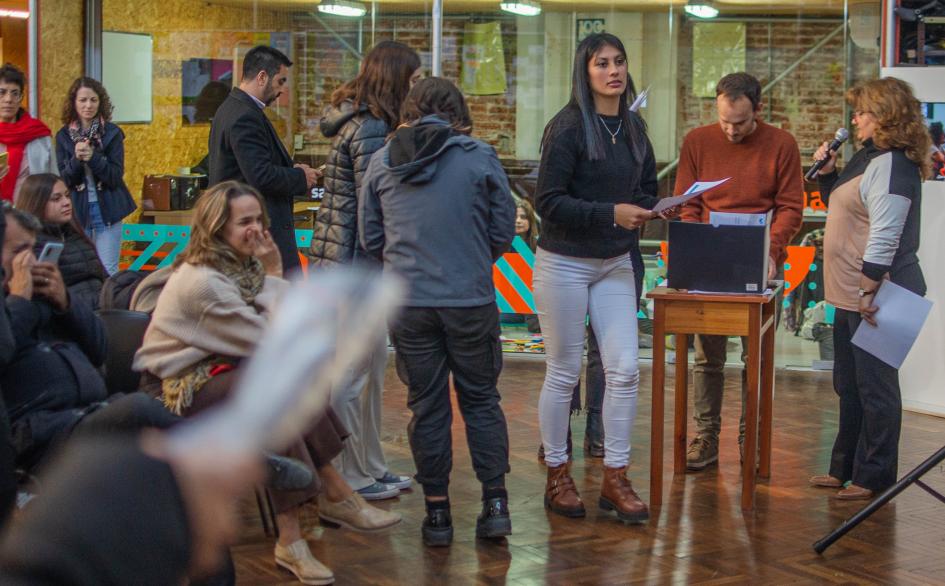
[732, 219]
[640, 102]
[899, 319]
[696, 189]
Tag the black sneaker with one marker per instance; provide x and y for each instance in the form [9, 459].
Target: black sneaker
[437, 528]
[287, 473]
[494, 521]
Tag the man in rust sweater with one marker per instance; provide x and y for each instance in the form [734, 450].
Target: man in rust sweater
[765, 169]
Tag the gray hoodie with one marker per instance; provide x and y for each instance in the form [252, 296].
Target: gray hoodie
[436, 207]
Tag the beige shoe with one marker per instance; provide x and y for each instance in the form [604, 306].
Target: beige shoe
[355, 513]
[298, 559]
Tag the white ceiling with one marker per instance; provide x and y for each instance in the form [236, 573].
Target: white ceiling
[756, 7]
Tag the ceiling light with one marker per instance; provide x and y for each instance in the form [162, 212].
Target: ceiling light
[14, 14]
[342, 8]
[701, 9]
[522, 7]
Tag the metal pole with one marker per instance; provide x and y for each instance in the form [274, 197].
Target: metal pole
[437, 39]
[33, 58]
[93, 39]
[373, 22]
[911, 478]
[890, 37]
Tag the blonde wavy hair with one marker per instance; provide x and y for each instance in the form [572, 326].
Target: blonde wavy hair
[899, 120]
[206, 245]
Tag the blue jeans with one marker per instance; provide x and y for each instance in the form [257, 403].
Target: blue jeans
[107, 238]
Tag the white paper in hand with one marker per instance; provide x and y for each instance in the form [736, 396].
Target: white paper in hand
[640, 101]
[323, 328]
[899, 320]
[696, 189]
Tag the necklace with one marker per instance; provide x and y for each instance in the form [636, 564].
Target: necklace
[613, 135]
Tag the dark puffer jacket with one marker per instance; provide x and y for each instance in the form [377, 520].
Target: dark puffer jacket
[81, 269]
[356, 136]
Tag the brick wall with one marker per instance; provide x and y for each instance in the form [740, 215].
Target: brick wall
[325, 62]
[808, 103]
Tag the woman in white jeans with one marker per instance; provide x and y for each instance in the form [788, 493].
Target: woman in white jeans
[596, 160]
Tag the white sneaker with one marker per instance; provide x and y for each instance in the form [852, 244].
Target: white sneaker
[298, 559]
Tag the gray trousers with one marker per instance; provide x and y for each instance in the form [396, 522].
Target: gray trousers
[708, 380]
[358, 405]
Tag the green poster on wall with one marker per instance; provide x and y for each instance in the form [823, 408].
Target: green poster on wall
[483, 70]
[718, 49]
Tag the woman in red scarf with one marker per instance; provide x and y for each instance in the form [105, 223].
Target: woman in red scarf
[25, 139]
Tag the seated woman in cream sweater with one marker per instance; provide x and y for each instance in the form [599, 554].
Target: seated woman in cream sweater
[209, 316]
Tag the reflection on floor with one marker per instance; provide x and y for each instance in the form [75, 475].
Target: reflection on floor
[700, 535]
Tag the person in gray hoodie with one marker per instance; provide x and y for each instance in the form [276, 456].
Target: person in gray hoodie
[436, 207]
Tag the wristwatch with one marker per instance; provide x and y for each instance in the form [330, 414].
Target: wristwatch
[863, 292]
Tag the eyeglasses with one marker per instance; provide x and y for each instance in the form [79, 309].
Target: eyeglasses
[15, 94]
[860, 113]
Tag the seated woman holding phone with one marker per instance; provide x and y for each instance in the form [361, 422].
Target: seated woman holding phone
[61, 240]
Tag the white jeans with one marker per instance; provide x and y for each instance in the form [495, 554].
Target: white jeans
[567, 289]
[357, 403]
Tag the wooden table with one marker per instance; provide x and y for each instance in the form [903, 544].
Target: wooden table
[684, 314]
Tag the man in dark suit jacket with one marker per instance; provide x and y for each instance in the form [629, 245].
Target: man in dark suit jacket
[244, 146]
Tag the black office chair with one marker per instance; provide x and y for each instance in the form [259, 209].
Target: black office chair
[125, 332]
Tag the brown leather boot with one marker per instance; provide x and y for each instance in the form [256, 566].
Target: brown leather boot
[616, 494]
[561, 496]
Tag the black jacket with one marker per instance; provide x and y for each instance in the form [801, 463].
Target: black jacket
[356, 135]
[108, 168]
[244, 146]
[81, 269]
[53, 375]
[110, 515]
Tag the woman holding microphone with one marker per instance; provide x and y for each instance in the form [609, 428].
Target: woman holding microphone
[872, 235]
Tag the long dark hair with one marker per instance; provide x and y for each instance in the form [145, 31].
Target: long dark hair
[436, 96]
[383, 82]
[69, 113]
[34, 195]
[582, 100]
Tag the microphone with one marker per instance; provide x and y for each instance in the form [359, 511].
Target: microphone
[838, 139]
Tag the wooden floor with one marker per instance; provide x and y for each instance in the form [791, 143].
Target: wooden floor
[699, 536]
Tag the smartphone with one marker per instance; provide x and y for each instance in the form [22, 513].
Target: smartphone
[4, 158]
[50, 253]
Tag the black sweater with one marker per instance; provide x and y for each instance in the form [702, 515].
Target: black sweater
[576, 196]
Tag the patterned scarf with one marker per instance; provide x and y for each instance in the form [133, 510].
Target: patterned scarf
[93, 133]
[178, 391]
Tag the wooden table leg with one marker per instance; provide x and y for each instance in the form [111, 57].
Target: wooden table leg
[766, 397]
[682, 404]
[656, 419]
[751, 408]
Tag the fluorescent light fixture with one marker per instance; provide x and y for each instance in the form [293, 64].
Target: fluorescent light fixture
[14, 14]
[701, 9]
[522, 7]
[342, 8]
